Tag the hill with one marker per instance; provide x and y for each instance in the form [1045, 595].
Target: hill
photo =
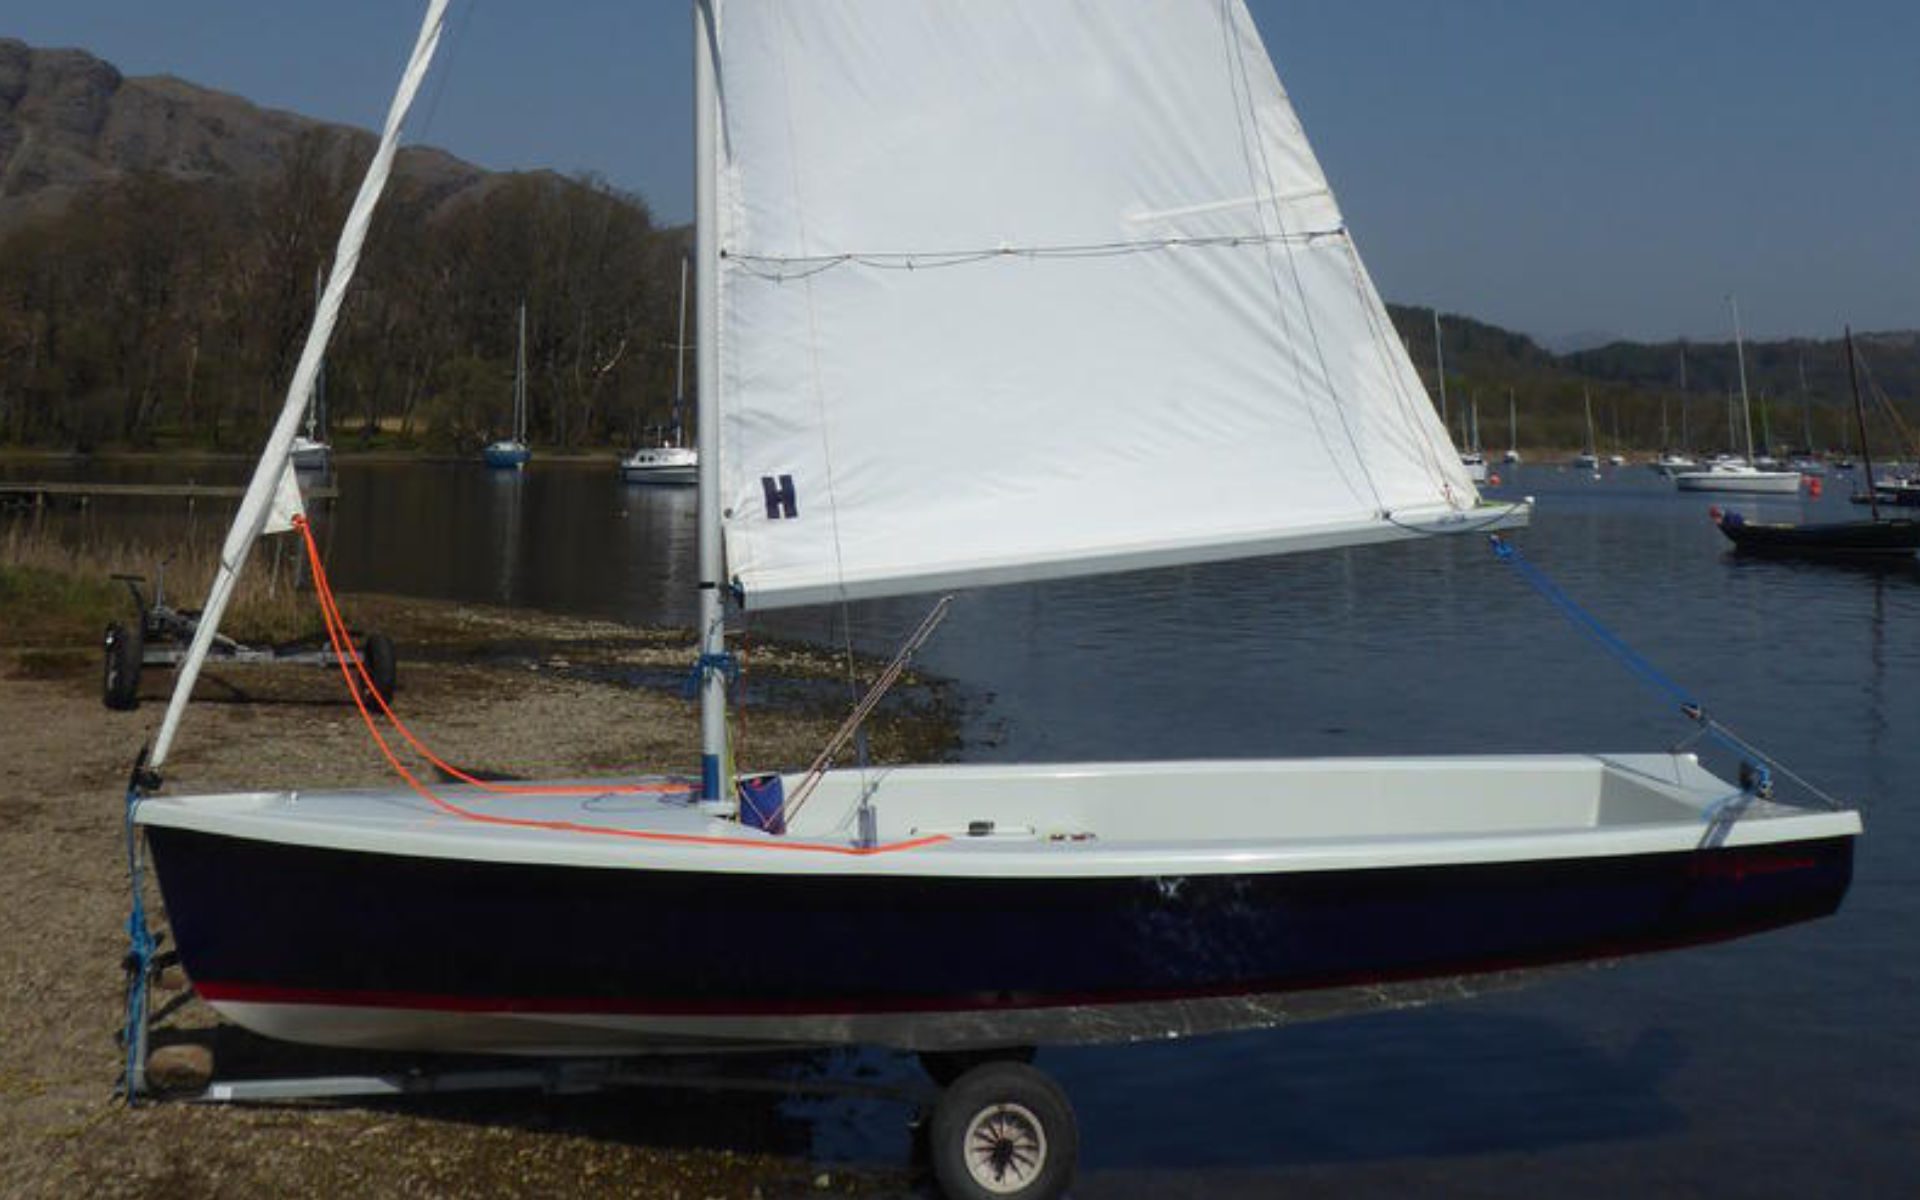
[1671, 394]
[70, 122]
[159, 245]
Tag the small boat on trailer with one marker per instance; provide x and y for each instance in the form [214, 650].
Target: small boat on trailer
[972, 912]
[1120, 901]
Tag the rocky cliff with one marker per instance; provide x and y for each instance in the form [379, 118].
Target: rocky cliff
[69, 120]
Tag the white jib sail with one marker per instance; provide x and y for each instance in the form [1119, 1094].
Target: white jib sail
[1012, 290]
[273, 498]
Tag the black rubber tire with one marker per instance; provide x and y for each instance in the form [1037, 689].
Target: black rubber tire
[1003, 1117]
[945, 1067]
[120, 673]
[383, 665]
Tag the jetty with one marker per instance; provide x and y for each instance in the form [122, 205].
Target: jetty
[79, 494]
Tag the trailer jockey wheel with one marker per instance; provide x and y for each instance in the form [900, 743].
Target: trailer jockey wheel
[383, 665]
[1003, 1130]
[120, 679]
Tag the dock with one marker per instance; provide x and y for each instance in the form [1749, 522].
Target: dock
[79, 495]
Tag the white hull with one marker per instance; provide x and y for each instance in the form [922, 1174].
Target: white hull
[1769, 483]
[546, 1035]
[673, 465]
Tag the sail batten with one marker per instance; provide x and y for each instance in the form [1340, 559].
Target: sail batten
[1048, 298]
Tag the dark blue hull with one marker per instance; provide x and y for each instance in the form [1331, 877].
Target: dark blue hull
[265, 923]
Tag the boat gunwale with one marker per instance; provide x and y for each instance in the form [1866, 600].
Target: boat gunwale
[683, 838]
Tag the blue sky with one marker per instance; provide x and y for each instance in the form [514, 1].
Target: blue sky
[1556, 167]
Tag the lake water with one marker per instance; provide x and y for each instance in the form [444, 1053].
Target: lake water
[1787, 1064]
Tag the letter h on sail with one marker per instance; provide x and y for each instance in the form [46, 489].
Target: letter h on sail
[781, 502]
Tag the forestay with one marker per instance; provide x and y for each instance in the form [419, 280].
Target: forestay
[1011, 290]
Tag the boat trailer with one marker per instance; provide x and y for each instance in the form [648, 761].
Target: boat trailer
[986, 1123]
[160, 634]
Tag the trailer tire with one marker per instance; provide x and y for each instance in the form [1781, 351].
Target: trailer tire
[1003, 1130]
[120, 673]
[383, 665]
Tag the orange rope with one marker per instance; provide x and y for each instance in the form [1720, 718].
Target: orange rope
[330, 610]
[345, 654]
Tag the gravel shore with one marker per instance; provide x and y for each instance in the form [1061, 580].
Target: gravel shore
[499, 691]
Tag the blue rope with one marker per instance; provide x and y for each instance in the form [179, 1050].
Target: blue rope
[726, 664]
[1755, 777]
[140, 948]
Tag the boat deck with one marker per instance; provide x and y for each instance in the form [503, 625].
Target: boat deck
[1072, 819]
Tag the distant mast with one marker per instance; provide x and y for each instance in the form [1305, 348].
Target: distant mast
[1686, 442]
[520, 379]
[1740, 356]
[1440, 364]
[1806, 408]
[1860, 416]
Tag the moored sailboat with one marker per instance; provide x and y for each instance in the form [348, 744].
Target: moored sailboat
[671, 461]
[1883, 538]
[512, 452]
[1749, 474]
[1123, 900]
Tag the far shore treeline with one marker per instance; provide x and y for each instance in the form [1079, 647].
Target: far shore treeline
[156, 312]
[159, 313]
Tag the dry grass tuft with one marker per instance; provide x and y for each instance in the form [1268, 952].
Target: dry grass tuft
[58, 592]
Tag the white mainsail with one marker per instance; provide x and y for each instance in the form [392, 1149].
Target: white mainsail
[1013, 290]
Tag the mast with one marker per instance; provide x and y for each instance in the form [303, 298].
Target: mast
[1685, 441]
[713, 632]
[1860, 416]
[1740, 355]
[680, 364]
[1513, 426]
[1806, 407]
[520, 380]
[1440, 364]
[1586, 399]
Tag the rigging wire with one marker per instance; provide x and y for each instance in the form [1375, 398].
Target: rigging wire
[1759, 781]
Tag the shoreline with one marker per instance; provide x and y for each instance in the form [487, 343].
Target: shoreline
[502, 690]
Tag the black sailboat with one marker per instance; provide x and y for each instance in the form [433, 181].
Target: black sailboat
[1880, 537]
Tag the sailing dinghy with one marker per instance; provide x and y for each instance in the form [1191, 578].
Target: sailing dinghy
[1120, 201]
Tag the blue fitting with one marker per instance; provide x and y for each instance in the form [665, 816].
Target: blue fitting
[725, 664]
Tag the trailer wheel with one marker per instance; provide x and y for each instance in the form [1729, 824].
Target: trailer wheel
[120, 678]
[383, 665]
[1003, 1130]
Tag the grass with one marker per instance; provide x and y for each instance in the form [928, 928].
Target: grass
[58, 593]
